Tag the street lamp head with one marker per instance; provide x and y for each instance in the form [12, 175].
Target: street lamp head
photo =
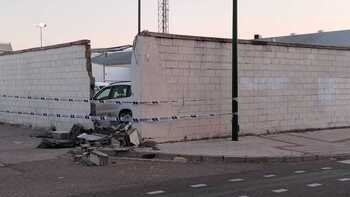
[42, 25]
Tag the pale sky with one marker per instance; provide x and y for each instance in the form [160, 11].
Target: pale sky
[110, 23]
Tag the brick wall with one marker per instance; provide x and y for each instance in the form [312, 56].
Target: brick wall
[281, 87]
[61, 71]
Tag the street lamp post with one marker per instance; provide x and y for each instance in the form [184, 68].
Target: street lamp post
[139, 17]
[41, 26]
[235, 124]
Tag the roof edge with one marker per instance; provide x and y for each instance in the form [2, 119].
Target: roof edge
[295, 45]
[184, 37]
[308, 34]
[79, 42]
[240, 41]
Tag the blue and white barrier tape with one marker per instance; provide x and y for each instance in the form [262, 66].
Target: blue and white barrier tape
[155, 102]
[46, 98]
[111, 118]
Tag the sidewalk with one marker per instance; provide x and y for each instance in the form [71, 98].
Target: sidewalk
[16, 146]
[280, 147]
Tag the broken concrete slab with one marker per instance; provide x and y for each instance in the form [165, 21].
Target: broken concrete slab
[98, 158]
[63, 135]
[92, 137]
[95, 139]
[135, 137]
[56, 143]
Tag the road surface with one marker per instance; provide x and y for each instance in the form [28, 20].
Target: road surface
[312, 179]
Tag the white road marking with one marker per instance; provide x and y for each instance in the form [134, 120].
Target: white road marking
[345, 161]
[269, 175]
[314, 185]
[299, 171]
[279, 190]
[156, 192]
[235, 180]
[344, 179]
[327, 168]
[198, 185]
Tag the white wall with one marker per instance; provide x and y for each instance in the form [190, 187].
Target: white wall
[293, 87]
[281, 87]
[61, 71]
[179, 69]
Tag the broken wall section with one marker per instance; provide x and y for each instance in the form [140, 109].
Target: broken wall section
[61, 71]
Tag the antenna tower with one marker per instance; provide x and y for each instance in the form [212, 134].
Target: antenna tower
[163, 16]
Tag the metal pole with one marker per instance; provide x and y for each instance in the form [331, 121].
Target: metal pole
[104, 68]
[235, 125]
[139, 17]
[41, 37]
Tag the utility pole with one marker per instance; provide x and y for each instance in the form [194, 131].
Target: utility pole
[139, 17]
[235, 125]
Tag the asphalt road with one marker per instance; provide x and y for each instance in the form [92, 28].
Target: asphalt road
[62, 177]
[314, 179]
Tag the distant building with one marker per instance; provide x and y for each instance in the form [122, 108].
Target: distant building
[5, 47]
[332, 38]
[112, 64]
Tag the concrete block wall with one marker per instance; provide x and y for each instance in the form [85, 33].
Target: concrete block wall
[60, 71]
[281, 86]
[182, 70]
[293, 87]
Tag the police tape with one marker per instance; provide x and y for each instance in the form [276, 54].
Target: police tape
[112, 118]
[45, 98]
[154, 102]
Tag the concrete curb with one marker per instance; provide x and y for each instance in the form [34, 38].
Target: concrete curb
[227, 159]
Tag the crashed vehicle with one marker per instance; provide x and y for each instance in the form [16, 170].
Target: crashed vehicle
[114, 100]
[100, 85]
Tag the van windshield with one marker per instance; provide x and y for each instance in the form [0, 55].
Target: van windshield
[114, 92]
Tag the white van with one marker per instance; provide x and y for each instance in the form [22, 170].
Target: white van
[116, 100]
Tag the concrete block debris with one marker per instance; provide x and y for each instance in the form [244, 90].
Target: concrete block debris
[95, 139]
[94, 147]
[64, 135]
[62, 139]
[56, 143]
[98, 158]
[135, 137]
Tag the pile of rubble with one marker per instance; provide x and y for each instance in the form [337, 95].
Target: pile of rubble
[94, 146]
